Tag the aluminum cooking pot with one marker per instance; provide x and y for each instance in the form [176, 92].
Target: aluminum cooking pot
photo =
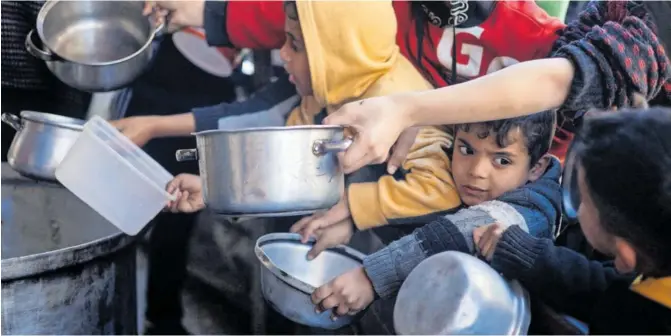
[281, 170]
[288, 278]
[94, 45]
[453, 293]
[41, 142]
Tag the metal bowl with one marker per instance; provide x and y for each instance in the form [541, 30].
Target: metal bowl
[288, 278]
[453, 293]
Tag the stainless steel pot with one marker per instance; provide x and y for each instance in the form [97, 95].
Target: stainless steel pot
[271, 169]
[41, 142]
[94, 45]
[288, 278]
[453, 293]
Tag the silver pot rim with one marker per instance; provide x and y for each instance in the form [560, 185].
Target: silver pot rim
[41, 18]
[269, 129]
[54, 120]
[15, 268]
[294, 237]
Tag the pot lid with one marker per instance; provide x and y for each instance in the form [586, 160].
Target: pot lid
[192, 44]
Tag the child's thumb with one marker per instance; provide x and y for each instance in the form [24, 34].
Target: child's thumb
[319, 246]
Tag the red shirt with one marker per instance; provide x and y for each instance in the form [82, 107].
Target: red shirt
[514, 31]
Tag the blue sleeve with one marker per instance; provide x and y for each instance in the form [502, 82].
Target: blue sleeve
[214, 23]
[267, 107]
[539, 202]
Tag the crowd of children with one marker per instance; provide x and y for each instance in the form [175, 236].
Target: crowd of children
[477, 186]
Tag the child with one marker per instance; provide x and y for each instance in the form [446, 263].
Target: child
[503, 174]
[624, 163]
[337, 52]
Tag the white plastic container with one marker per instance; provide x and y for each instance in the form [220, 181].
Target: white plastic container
[114, 177]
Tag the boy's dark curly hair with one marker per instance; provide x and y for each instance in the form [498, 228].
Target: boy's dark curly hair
[626, 157]
[537, 130]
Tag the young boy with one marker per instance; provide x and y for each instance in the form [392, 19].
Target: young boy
[623, 162]
[503, 174]
[337, 52]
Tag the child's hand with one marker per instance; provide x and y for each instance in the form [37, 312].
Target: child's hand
[333, 235]
[189, 191]
[138, 129]
[350, 292]
[486, 238]
[330, 228]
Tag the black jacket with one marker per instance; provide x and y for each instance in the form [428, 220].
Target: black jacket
[574, 285]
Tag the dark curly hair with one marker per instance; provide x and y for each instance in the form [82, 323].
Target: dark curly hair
[626, 157]
[537, 130]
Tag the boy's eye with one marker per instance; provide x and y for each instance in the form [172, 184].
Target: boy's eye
[465, 150]
[502, 161]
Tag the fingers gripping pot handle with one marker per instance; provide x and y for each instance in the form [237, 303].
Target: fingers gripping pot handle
[322, 147]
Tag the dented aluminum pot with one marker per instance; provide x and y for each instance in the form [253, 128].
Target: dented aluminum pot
[288, 278]
[270, 169]
[65, 269]
[41, 142]
[453, 293]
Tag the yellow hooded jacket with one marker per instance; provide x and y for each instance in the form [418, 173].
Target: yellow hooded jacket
[352, 54]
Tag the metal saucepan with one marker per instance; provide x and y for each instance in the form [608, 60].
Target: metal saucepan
[269, 169]
[94, 45]
[453, 293]
[41, 142]
[288, 278]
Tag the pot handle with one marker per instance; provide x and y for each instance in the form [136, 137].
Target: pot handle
[182, 155]
[162, 27]
[12, 120]
[322, 147]
[44, 55]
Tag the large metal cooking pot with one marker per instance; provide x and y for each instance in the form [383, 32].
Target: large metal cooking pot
[281, 170]
[288, 278]
[453, 293]
[41, 142]
[94, 45]
[65, 269]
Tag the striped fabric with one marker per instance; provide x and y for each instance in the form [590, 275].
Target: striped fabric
[22, 71]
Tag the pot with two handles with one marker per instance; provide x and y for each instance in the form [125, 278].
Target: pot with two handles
[270, 170]
[93, 45]
[41, 142]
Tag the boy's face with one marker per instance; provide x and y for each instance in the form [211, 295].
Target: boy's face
[600, 239]
[294, 53]
[483, 171]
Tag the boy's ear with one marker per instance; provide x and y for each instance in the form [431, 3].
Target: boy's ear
[625, 256]
[539, 168]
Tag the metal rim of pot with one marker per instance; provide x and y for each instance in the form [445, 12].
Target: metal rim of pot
[295, 238]
[569, 183]
[15, 268]
[16, 122]
[49, 56]
[319, 147]
[521, 305]
[268, 128]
